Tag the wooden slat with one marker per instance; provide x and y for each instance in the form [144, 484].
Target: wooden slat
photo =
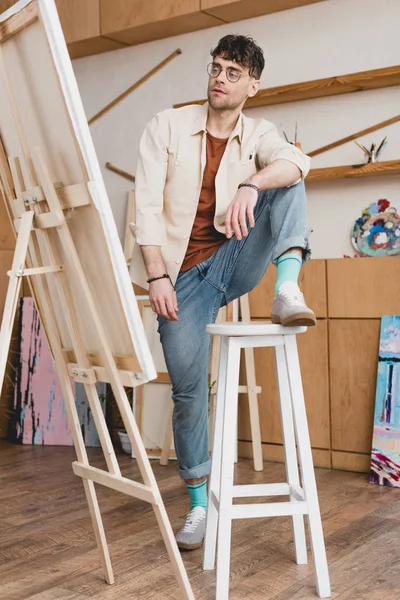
[353, 357]
[363, 287]
[119, 171]
[318, 88]
[356, 135]
[389, 167]
[134, 87]
[312, 282]
[19, 21]
[239, 10]
[118, 483]
[313, 352]
[124, 363]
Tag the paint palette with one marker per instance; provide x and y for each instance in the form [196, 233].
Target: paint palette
[377, 231]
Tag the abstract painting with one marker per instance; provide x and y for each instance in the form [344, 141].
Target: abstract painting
[385, 463]
[39, 406]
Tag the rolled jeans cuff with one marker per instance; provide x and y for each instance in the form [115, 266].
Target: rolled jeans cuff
[296, 241]
[196, 472]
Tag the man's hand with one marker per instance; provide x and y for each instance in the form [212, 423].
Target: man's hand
[163, 299]
[241, 206]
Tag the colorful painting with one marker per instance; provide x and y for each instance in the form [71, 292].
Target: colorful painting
[377, 231]
[385, 463]
[39, 406]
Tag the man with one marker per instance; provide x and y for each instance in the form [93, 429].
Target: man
[218, 196]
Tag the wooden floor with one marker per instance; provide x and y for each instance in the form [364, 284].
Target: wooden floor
[47, 550]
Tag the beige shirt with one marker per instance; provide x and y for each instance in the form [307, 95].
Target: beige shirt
[169, 175]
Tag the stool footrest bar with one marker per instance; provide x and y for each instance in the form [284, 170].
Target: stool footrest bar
[273, 509]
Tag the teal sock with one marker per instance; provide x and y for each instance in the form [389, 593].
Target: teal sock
[288, 266]
[198, 494]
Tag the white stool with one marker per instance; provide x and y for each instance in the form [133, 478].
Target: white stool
[303, 499]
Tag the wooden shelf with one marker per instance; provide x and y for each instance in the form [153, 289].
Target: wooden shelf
[318, 88]
[390, 167]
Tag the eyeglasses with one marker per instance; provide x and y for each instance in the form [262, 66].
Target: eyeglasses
[232, 74]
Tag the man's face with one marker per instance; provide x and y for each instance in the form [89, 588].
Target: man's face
[229, 95]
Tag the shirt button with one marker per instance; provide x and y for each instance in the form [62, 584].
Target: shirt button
[177, 262]
[177, 163]
[185, 237]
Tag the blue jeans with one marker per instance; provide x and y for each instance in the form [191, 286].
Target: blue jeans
[233, 270]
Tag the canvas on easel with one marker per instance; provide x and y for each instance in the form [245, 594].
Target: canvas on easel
[68, 247]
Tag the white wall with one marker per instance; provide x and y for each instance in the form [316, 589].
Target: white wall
[321, 40]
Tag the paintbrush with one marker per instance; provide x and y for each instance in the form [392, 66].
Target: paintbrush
[381, 145]
[363, 148]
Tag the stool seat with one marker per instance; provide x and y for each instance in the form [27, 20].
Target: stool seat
[252, 328]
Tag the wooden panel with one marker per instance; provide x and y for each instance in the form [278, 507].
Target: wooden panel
[93, 46]
[312, 282]
[313, 351]
[141, 21]
[275, 453]
[353, 357]
[80, 20]
[363, 288]
[349, 461]
[318, 88]
[389, 167]
[247, 9]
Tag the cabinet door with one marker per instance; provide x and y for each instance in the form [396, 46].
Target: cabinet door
[365, 288]
[313, 353]
[239, 10]
[139, 21]
[80, 20]
[353, 355]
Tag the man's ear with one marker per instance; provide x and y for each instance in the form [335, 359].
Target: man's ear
[254, 88]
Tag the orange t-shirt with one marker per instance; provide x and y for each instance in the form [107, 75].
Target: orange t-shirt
[205, 239]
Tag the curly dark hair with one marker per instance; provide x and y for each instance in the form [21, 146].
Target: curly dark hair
[243, 50]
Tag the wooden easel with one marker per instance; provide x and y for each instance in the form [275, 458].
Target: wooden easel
[36, 226]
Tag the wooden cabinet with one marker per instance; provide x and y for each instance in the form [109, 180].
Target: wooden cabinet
[141, 21]
[247, 9]
[80, 20]
[338, 359]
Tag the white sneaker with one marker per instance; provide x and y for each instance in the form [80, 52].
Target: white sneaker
[289, 307]
[191, 535]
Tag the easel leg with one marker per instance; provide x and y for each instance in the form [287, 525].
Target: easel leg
[13, 290]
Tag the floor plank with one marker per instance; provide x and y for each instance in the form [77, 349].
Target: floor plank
[47, 548]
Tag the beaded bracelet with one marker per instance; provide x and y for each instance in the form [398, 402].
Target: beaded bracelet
[164, 276]
[251, 185]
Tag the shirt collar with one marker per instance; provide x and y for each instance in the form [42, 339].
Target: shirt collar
[200, 124]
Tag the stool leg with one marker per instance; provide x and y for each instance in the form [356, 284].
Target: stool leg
[210, 540]
[227, 470]
[289, 444]
[307, 469]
